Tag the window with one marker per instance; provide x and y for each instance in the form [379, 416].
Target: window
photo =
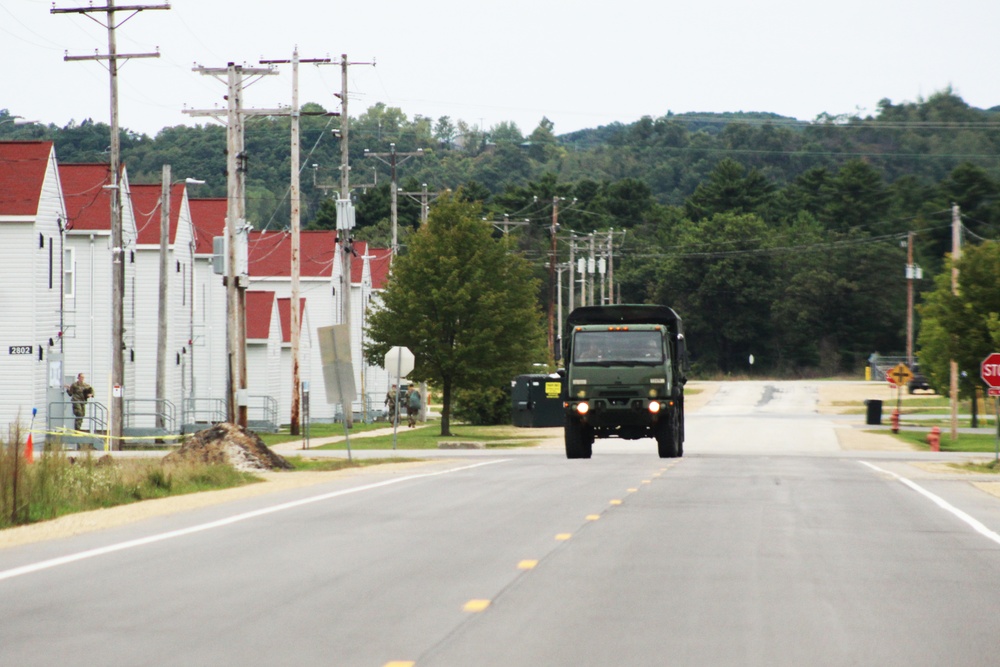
[69, 274]
[618, 348]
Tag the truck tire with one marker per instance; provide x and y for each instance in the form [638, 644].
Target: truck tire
[668, 436]
[579, 439]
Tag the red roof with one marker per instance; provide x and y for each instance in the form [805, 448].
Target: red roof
[285, 313]
[88, 204]
[270, 253]
[380, 264]
[22, 171]
[260, 305]
[146, 207]
[209, 219]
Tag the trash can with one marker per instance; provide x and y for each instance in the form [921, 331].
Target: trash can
[874, 412]
[537, 401]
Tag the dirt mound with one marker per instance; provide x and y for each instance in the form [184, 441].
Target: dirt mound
[232, 444]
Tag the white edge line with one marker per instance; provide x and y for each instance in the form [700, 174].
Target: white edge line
[142, 541]
[941, 502]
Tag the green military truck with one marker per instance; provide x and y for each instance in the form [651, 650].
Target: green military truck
[626, 367]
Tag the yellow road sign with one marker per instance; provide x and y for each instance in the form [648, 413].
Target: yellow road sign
[900, 374]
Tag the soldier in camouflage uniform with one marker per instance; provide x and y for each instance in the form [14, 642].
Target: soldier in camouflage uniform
[79, 392]
[390, 402]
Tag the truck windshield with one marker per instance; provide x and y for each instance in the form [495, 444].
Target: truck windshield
[618, 347]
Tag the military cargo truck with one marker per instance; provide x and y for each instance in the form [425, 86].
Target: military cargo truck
[626, 366]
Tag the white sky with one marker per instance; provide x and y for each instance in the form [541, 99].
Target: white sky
[581, 64]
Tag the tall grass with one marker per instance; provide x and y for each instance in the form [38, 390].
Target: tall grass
[57, 484]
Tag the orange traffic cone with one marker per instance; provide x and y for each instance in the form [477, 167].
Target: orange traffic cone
[29, 450]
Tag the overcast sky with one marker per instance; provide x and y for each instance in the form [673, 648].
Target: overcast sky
[581, 64]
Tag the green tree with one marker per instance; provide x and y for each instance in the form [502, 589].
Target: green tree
[723, 286]
[462, 303]
[730, 188]
[962, 326]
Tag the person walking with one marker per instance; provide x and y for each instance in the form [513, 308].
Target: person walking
[79, 392]
[412, 405]
[391, 398]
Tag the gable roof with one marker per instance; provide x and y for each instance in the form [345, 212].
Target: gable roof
[270, 253]
[88, 204]
[380, 263]
[209, 219]
[260, 307]
[23, 165]
[146, 208]
[285, 314]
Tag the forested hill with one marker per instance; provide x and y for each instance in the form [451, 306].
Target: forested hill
[776, 237]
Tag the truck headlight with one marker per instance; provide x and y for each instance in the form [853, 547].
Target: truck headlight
[654, 407]
[582, 408]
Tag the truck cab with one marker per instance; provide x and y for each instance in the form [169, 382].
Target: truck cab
[626, 366]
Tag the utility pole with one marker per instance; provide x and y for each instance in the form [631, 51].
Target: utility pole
[552, 276]
[910, 276]
[161, 330]
[345, 211]
[295, 224]
[237, 232]
[592, 267]
[611, 266]
[393, 208]
[956, 254]
[116, 418]
[572, 266]
[425, 198]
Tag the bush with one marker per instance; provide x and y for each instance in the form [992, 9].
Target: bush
[483, 407]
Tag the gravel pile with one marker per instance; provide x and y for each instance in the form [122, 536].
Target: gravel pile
[232, 444]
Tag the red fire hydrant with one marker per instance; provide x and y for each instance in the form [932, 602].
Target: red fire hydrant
[934, 439]
[895, 420]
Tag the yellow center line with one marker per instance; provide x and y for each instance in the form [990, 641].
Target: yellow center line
[593, 517]
[476, 605]
[631, 490]
[564, 536]
[527, 564]
[400, 663]
[646, 481]
[616, 502]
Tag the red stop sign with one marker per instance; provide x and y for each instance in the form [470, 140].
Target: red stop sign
[990, 370]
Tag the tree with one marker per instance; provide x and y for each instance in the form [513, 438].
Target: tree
[462, 303]
[730, 188]
[962, 326]
[723, 287]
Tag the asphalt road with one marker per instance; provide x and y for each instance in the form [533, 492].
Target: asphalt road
[765, 545]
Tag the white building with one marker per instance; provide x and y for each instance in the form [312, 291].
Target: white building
[87, 280]
[319, 284]
[32, 211]
[207, 366]
[146, 203]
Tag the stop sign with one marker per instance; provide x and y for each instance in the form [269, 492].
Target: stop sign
[990, 370]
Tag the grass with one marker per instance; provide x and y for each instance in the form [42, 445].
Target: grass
[321, 430]
[57, 484]
[966, 442]
[429, 437]
[986, 467]
[329, 465]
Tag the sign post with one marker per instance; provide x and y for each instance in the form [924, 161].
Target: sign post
[899, 375]
[399, 362]
[989, 370]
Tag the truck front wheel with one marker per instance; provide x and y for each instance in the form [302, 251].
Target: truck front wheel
[579, 439]
[668, 436]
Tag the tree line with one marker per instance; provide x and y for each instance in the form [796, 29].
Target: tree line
[773, 237]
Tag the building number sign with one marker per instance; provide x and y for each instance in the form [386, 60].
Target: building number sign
[21, 349]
